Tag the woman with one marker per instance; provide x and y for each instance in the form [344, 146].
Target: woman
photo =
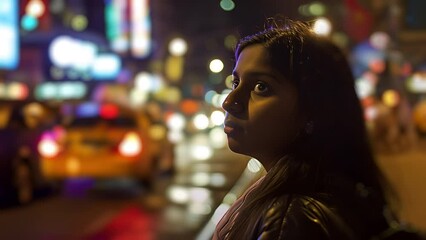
[293, 107]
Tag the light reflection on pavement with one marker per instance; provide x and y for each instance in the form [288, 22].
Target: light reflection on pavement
[194, 193]
[178, 207]
[181, 206]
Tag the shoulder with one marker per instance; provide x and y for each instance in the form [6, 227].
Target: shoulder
[301, 217]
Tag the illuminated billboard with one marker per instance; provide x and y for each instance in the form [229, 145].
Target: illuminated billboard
[128, 27]
[72, 58]
[9, 32]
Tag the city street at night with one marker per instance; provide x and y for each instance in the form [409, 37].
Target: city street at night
[122, 210]
[177, 207]
[117, 116]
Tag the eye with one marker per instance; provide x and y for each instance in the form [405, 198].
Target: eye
[261, 88]
[235, 83]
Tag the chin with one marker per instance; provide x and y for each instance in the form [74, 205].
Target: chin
[236, 147]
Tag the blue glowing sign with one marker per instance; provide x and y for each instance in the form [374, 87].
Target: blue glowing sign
[9, 40]
[81, 60]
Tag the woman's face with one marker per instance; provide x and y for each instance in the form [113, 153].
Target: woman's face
[262, 115]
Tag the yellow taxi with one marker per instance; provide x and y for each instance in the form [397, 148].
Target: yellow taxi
[103, 140]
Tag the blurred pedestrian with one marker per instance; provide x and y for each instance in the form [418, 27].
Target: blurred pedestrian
[294, 108]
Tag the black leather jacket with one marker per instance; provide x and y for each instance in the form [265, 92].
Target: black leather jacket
[294, 216]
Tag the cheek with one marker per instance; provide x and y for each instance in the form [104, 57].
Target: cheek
[277, 124]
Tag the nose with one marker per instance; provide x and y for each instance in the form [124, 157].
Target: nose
[232, 105]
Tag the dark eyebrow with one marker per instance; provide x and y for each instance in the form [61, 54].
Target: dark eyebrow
[257, 74]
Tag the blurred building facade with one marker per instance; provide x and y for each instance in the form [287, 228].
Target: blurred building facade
[118, 50]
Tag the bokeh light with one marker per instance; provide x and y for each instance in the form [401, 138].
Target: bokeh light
[200, 179]
[174, 67]
[322, 26]
[217, 179]
[157, 132]
[138, 97]
[200, 148]
[317, 9]
[216, 65]
[227, 5]
[178, 47]
[17, 90]
[417, 82]
[371, 113]
[208, 97]
[35, 8]
[364, 88]
[189, 106]
[390, 98]
[199, 195]
[178, 194]
[29, 23]
[79, 22]
[201, 121]
[168, 94]
[176, 121]
[201, 152]
[380, 40]
[175, 136]
[146, 82]
[218, 99]
[217, 117]
[218, 138]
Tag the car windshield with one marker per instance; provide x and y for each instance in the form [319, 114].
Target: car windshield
[92, 121]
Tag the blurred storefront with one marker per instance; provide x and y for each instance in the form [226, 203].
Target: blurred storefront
[136, 52]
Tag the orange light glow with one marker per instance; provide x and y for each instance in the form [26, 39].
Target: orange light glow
[390, 98]
[189, 106]
[419, 115]
[368, 101]
[377, 65]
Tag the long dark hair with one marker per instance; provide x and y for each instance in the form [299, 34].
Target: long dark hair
[336, 149]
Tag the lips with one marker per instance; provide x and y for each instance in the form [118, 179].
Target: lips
[230, 127]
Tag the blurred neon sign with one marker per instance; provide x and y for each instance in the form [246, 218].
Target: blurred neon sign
[60, 91]
[128, 26]
[9, 40]
[13, 91]
[141, 28]
[83, 58]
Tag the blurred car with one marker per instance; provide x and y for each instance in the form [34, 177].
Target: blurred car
[21, 126]
[102, 141]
